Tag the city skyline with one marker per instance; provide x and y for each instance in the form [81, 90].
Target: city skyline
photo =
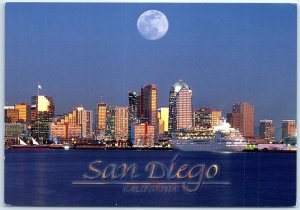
[78, 53]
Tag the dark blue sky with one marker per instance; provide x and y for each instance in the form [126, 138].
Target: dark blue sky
[226, 52]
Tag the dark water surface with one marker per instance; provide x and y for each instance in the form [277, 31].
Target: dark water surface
[51, 177]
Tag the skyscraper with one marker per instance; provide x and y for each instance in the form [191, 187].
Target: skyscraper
[110, 123]
[267, 130]
[149, 101]
[243, 118]
[101, 118]
[24, 112]
[216, 115]
[121, 123]
[44, 112]
[206, 117]
[180, 107]
[202, 118]
[132, 109]
[288, 128]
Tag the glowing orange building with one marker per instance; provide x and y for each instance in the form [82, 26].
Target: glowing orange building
[243, 118]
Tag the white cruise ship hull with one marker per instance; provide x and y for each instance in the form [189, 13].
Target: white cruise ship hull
[200, 145]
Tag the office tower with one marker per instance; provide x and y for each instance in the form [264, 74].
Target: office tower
[101, 118]
[110, 123]
[24, 112]
[132, 109]
[243, 118]
[180, 107]
[33, 113]
[267, 130]
[206, 117]
[202, 118]
[216, 115]
[142, 134]
[288, 128]
[163, 119]
[78, 123]
[44, 112]
[121, 123]
[149, 103]
[89, 124]
[83, 118]
[11, 114]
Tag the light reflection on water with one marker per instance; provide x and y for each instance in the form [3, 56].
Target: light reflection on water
[45, 178]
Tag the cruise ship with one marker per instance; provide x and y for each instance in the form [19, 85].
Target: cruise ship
[221, 138]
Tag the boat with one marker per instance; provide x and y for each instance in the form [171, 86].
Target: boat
[221, 138]
[23, 146]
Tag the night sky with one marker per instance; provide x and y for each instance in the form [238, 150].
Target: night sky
[226, 52]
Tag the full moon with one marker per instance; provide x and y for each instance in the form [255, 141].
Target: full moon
[152, 24]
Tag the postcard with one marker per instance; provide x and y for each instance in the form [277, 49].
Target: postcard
[150, 104]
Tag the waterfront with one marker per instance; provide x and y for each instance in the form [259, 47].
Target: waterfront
[46, 178]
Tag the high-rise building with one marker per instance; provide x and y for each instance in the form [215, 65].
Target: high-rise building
[101, 118]
[206, 117]
[121, 123]
[24, 112]
[44, 112]
[132, 109]
[243, 118]
[78, 118]
[216, 115]
[149, 103]
[288, 128]
[33, 113]
[110, 123]
[180, 107]
[142, 134]
[267, 130]
[202, 118]
[11, 114]
[163, 117]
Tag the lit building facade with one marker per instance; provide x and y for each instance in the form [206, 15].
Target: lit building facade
[267, 130]
[24, 112]
[77, 120]
[58, 130]
[15, 129]
[216, 115]
[142, 134]
[149, 103]
[110, 123]
[206, 118]
[180, 107]
[243, 118]
[44, 112]
[132, 109]
[288, 128]
[11, 114]
[163, 119]
[121, 123]
[202, 118]
[101, 118]
[65, 130]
